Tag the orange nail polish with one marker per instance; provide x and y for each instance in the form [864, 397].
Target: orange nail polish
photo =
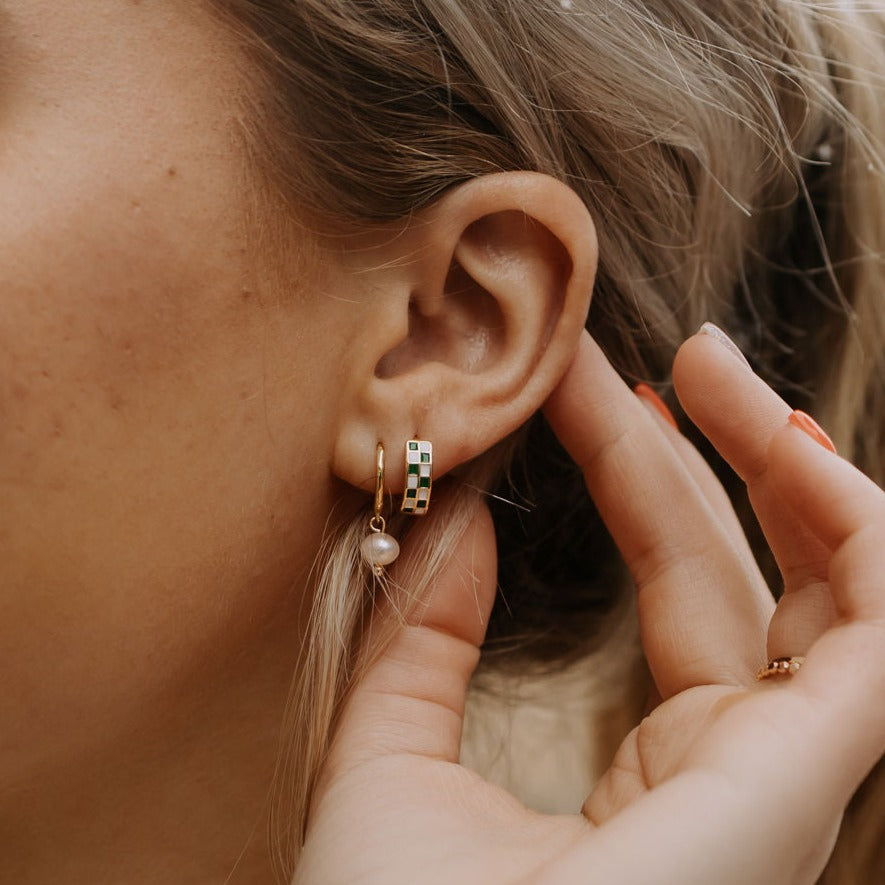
[806, 423]
[643, 391]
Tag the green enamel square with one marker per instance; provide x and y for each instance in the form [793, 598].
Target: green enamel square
[413, 446]
[411, 493]
[425, 458]
[413, 468]
[424, 482]
[422, 504]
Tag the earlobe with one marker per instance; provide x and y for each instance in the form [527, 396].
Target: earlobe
[489, 294]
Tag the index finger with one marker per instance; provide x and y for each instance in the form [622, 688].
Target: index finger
[625, 459]
[698, 603]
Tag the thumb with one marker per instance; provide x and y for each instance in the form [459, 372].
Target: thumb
[411, 698]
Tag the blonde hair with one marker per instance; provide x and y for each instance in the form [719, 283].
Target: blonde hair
[731, 153]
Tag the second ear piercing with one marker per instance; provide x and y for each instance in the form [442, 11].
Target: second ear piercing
[419, 477]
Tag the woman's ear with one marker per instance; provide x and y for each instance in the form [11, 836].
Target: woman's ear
[469, 317]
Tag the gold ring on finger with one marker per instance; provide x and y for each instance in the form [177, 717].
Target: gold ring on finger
[787, 666]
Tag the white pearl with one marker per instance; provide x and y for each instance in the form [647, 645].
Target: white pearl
[379, 548]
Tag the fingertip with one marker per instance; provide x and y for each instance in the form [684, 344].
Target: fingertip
[690, 363]
[709, 350]
[711, 330]
[576, 371]
[732, 406]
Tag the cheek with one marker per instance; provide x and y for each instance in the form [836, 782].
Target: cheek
[120, 255]
[158, 473]
[159, 465]
[137, 375]
[120, 260]
[148, 463]
[104, 328]
[103, 315]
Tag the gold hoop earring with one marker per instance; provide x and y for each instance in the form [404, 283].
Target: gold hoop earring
[419, 477]
[378, 548]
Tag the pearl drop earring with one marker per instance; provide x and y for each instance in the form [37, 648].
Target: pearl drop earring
[378, 548]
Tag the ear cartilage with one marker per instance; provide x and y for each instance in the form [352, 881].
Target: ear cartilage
[419, 477]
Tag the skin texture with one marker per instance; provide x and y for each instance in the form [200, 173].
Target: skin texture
[151, 556]
[180, 411]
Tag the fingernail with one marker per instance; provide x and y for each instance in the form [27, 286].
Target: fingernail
[717, 333]
[644, 392]
[805, 422]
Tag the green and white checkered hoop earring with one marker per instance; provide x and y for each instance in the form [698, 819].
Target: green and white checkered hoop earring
[419, 477]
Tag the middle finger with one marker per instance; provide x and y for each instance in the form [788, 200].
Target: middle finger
[706, 375]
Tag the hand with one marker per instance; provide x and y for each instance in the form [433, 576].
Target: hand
[727, 780]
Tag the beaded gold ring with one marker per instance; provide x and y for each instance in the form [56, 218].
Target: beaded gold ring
[787, 666]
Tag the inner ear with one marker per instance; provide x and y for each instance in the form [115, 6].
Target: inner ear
[501, 286]
[461, 326]
[521, 260]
